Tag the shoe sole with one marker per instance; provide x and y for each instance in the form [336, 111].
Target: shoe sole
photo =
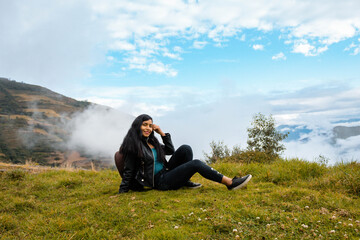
[243, 184]
[195, 187]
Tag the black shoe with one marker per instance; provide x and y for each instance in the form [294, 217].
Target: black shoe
[190, 184]
[239, 182]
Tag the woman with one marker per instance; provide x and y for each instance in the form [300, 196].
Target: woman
[146, 166]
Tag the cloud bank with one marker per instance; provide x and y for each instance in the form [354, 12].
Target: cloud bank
[98, 130]
[52, 41]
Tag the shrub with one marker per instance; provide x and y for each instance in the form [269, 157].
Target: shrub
[218, 151]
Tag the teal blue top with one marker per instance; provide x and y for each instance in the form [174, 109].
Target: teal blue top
[158, 164]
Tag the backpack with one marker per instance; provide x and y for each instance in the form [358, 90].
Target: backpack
[120, 162]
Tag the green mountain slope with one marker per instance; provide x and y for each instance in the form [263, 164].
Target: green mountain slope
[31, 123]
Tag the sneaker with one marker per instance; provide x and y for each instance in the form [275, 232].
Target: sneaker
[239, 182]
[190, 184]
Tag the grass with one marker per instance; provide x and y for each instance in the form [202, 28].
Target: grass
[287, 199]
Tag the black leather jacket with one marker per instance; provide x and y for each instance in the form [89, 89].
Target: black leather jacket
[139, 172]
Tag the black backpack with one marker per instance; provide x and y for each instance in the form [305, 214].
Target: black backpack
[120, 162]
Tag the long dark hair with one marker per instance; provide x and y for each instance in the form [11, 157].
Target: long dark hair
[132, 142]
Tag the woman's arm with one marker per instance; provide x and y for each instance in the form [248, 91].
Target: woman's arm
[129, 172]
[168, 146]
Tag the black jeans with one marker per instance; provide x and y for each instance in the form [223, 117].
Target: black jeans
[181, 168]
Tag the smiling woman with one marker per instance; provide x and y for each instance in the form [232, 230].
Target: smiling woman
[145, 164]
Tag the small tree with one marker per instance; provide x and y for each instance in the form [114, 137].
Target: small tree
[218, 151]
[263, 136]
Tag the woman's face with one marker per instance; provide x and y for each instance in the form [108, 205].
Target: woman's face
[146, 128]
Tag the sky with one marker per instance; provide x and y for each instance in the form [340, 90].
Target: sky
[201, 69]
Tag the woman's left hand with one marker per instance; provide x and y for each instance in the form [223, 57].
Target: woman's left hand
[158, 130]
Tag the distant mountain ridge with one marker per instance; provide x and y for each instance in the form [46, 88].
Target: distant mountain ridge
[32, 125]
[297, 132]
[343, 132]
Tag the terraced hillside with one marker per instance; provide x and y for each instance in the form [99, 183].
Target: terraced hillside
[32, 120]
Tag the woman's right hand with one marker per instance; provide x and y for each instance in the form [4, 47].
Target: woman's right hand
[158, 130]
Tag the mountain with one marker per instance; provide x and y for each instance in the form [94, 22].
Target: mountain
[343, 132]
[33, 126]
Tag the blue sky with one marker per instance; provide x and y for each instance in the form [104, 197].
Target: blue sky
[183, 61]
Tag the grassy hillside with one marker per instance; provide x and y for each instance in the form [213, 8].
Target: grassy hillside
[285, 200]
[31, 122]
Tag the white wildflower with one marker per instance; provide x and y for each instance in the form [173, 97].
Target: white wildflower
[235, 230]
[176, 227]
[332, 231]
[304, 225]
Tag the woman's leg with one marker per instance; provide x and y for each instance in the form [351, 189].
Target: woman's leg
[180, 175]
[182, 167]
[182, 155]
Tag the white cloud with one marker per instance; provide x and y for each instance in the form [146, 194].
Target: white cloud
[178, 49]
[122, 45]
[356, 51]
[258, 47]
[168, 54]
[298, 20]
[279, 56]
[135, 100]
[98, 130]
[159, 67]
[304, 47]
[243, 37]
[354, 47]
[199, 44]
[88, 29]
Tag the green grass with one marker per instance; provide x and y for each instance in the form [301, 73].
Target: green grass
[287, 199]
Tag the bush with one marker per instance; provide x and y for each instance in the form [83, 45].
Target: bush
[218, 151]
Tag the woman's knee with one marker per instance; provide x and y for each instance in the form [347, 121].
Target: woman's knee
[187, 151]
[186, 148]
